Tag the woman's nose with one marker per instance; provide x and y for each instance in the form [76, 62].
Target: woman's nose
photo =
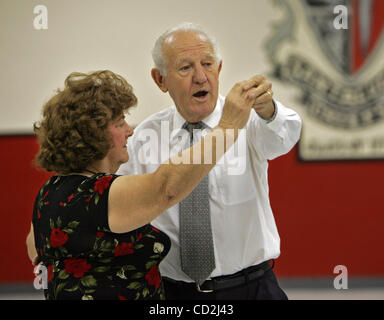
[129, 131]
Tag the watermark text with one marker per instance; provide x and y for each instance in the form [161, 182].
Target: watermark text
[40, 21]
[341, 281]
[341, 20]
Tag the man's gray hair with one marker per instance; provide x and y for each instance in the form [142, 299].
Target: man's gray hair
[157, 51]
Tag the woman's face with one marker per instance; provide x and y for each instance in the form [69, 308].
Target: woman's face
[119, 131]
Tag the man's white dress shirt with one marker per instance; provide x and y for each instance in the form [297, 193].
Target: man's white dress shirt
[243, 226]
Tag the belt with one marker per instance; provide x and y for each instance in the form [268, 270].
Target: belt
[229, 281]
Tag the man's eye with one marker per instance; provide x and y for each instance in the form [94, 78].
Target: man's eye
[184, 68]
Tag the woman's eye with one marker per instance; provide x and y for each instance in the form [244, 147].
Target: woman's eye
[120, 124]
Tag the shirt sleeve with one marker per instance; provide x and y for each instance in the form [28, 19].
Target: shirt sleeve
[271, 139]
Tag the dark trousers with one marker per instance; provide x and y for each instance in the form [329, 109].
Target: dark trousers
[265, 287]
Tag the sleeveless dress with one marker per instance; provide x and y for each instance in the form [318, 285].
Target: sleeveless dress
[84, 258]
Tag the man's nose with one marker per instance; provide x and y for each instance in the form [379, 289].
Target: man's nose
[199, 75]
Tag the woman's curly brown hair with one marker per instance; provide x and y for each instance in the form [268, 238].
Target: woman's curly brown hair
[72, 133]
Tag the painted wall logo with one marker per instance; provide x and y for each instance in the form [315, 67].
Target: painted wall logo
[339, 70]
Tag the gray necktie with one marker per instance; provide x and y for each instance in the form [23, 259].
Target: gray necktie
[196, 243]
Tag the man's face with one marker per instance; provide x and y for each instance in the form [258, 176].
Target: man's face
[193, 75]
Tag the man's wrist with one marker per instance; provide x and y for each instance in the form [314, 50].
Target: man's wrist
[274, 113]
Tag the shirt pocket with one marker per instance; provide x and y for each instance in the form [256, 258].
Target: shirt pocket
[234, 186]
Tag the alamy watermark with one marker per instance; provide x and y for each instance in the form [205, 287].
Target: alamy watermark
[41, 277]
[341, 20]
[341, 281]
[158, 147]
[40, 21]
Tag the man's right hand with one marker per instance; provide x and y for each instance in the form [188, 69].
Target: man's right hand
[238, 104]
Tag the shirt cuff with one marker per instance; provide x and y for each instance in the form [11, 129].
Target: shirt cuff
[279, 120]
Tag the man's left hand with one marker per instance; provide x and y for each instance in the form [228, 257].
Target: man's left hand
[264, 105]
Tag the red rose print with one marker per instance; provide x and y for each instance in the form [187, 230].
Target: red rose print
[88, 199]
[155, 229]
[70, 197]
[123, 249]
[45, 195]
[121, 298]
[77, 267]
[100, 234]
[102, 184]
[153, 277]
[58, 238]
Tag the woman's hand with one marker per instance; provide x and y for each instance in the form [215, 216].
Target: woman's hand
[238, 104]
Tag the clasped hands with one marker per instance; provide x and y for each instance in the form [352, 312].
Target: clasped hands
[255, 93]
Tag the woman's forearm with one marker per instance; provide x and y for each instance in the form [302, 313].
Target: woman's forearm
[184, 171]
[137, 200]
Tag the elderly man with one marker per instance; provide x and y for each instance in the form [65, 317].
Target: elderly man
[224, 234]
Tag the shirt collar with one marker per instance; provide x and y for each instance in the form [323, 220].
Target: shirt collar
[211, 121]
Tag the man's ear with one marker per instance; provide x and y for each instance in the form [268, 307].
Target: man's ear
[220, 66]
[159, 79]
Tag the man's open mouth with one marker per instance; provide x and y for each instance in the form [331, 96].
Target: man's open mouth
[200, 94]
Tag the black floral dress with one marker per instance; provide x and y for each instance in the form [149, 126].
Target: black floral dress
[85, 259]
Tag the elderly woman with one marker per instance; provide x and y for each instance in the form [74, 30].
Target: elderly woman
[90, 227]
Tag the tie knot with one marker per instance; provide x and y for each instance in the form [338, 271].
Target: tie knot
[190, 126]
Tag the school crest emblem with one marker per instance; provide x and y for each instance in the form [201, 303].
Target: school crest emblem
[333, 51]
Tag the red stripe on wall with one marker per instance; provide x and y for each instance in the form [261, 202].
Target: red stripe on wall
[20, 181]
[327, 213]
